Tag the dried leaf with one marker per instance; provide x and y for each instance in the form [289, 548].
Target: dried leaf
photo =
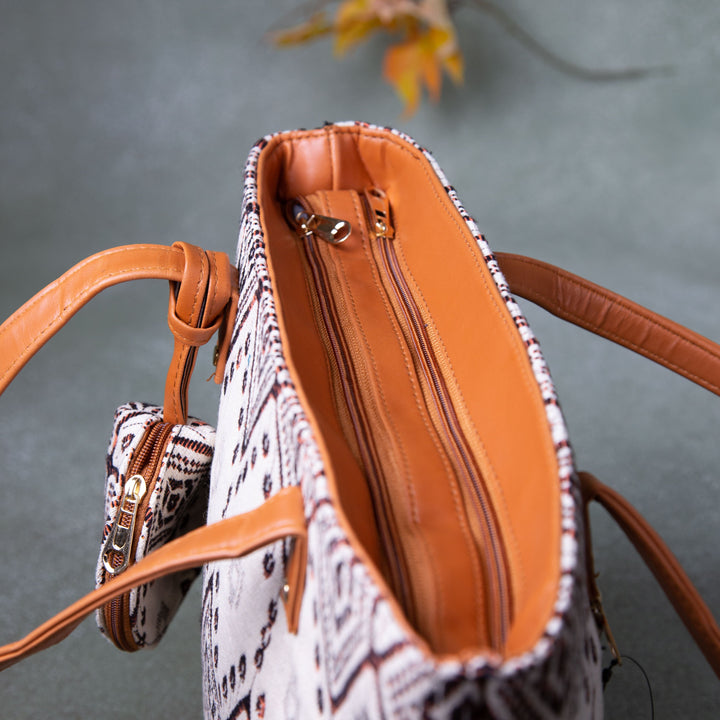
[401, 69]
[420, 61]
[314, 27]
[354, 22]
[427, 48]
[454, 66]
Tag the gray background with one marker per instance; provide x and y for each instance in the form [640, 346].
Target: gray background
[130, 122]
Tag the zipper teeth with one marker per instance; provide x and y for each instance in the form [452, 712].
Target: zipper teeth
[115, 611]
[370, 463]
[496, 569]
[144, 463]
[151, 449]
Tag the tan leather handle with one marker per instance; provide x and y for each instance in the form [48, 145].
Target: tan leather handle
[203, 298]
[614, 317]
[280, 517]
[674, 581]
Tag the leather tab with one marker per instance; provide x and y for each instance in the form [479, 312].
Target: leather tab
[280, 517]
[228, 282]
[201, 303]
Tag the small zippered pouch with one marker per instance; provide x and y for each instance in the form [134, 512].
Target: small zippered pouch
[156, 490]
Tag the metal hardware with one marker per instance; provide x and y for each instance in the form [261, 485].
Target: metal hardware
[598, 612]
[119, 542]
[329, 229]
[377, 206]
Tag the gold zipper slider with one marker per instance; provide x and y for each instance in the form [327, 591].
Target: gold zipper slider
[377, 206]
[329, 229]
[116, 551]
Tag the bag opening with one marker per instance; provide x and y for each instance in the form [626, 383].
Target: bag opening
[418, 384]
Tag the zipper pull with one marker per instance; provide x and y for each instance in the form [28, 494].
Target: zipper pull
[116, 551]
[377, 206]
[329, 229]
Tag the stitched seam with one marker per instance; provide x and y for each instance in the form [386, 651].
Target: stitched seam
[200, 283]
[82, 266]
[480, 603]
[508, 532]
[409, 486]
[214, 282]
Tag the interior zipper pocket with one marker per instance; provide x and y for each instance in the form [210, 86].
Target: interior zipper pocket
[344, 281]
[119, 549]
[480, 511]
[314, 229]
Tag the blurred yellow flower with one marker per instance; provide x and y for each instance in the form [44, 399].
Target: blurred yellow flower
[427, 41]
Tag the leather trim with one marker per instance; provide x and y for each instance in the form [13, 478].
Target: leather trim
[223, 305]
[279, 517]
[615, 318]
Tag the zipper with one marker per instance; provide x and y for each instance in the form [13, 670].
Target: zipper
[121, 544]
[116, 552]
[488, 539]
[312, 227]
[309, 224]
[316, 230]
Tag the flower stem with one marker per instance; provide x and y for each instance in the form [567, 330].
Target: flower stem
[513, 28]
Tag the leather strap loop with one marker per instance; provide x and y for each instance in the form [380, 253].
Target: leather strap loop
[280, 517]
[190, 303]
[198, 307]
[614, 317]
[674, 581]
[186, 333]
[203, 299]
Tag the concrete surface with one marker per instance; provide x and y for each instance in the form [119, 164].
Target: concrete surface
[130, 122]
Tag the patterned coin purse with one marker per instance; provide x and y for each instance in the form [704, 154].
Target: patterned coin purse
[156, 490]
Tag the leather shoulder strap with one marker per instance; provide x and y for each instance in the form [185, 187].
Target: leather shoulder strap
[202, 299]
[28, 329]
[674, 581]
[614, 317]
[282, 516]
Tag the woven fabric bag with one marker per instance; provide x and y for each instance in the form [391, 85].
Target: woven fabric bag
[356, 653]
[395, 527]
